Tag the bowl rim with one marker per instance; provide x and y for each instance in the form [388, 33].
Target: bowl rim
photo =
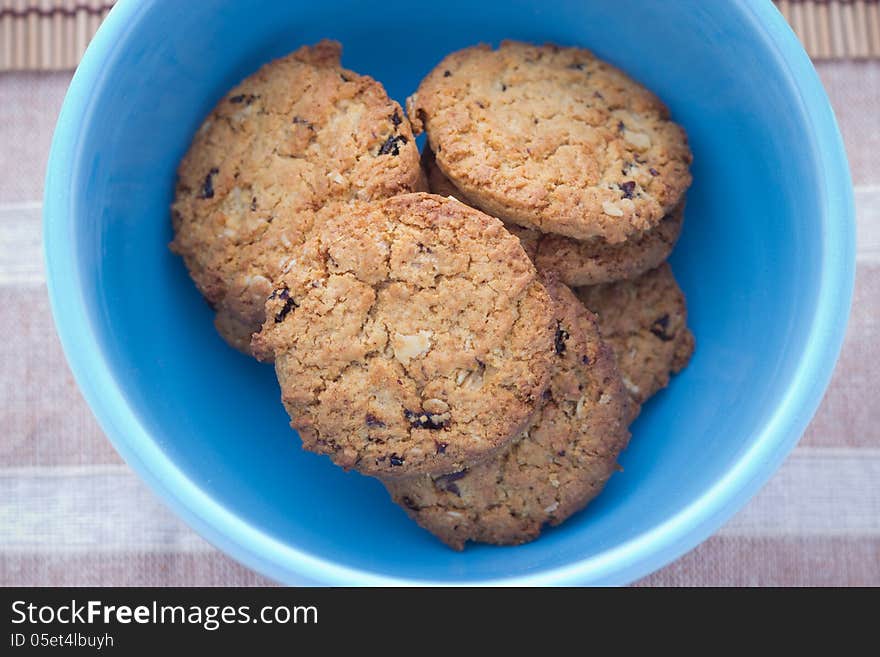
[632, 559]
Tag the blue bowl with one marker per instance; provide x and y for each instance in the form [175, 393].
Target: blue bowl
[766, 260]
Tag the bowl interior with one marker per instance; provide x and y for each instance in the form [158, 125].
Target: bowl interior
[749, 261]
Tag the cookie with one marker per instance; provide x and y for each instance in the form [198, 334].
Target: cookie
[439, 184]
[553, 139]
[254, 266]
[554, 468]
[595, 261]
[412, 336]
[296, 135]
[644, 322]
[581, 262]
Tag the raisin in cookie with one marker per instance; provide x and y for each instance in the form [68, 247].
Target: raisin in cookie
[581, 262]
[299, 133]
[645, 322]
[553, 139]
[413, 336]
[554, 468]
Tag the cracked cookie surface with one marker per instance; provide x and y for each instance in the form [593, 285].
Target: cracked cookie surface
[413, 336]
[644, 321]
[554, 139]
[581, 262]
[296, 135]
[554, 468]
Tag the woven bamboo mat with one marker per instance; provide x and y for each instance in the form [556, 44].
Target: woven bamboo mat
[45, 35]
[835, 29]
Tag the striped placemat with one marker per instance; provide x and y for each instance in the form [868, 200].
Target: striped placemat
[44, 35]
[72, 513]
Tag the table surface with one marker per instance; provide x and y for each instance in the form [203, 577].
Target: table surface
[72, 513]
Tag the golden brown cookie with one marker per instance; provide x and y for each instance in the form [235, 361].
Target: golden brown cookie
[645, 322]
[438, 183]
[412, 336]
[595, 261]
[581, 262]
[553, 139]
[554, 468]
[296, 135]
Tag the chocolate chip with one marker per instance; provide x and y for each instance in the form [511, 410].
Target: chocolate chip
[628, 188]
[395, 118]
[536, 121]
[247, 99]
[453, 488]
[395, 460]
[373, 421]
[439, 447]
[392, 145]
[208, 185]
[344, 77]
[546, 395]
[561, 452]
[424, 249]
[653, 171]
[408, 503]
[561, 337]
[446, 74]
[503, 87]
[298, 120]
[620, 126]
[254, 204]
[659, 327]
[599, 95]
[481, 105]
[423, 420]
[289, 303]
[585, 359]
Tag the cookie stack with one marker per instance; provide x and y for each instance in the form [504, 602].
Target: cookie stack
[300, 134]
[481, 349]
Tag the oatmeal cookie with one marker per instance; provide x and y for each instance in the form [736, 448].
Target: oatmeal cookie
[645, 322]
[296, 135]
[554, 468]
[413, 336]
[581, 262]
[553, 139]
